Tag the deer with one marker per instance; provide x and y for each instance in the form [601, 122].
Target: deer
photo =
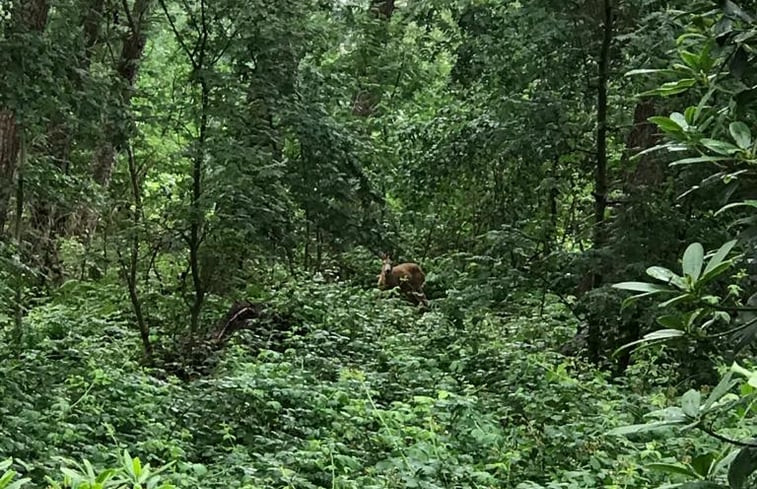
[407, 276]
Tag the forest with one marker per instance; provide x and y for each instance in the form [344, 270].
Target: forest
[358, 244]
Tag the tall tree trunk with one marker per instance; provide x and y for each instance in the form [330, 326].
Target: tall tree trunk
[135, 180]
[649, 171]
[199, 58]
[127, 68]
[550, 236]
[382, 8]
[18, 238]
[600, 176]
[114, 137]
[32, 16]
[197, 220]
[9, 146]
[197, 224]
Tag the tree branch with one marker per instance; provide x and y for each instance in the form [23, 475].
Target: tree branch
[176, 34]
[725, 439]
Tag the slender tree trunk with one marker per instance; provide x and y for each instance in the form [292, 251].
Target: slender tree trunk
[18, 238]
[306, 248]
[600, 176]
[318, 250]
[131, 279]
[197, 219]
[198, 58]
[550, 237]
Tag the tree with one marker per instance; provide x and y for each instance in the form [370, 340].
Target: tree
[28, 20]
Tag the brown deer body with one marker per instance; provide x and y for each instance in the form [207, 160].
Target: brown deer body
[409, 277]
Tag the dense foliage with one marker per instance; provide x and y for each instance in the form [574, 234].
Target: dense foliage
[195, 198]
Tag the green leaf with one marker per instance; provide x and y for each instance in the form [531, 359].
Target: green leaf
[136, 466]
[720, 147]
[630, 300]
[723, 387]
[702, 464]
[658, 147]
[724, 462]
[656, 336]
[681, 469]
[679, 119]
[691, 59]
[719, 256]
[663, 334]
[6, 478]
[690, 403]
[671, 321]
[675, 300]
[644, 71]
[666, 123]
[672, 88]
[19, 483]
[105, 475]
[715, 272]
[699, 159]
[741, 134]
[693, 259]
[645, 428]
[691, 114]
[664, 275]
[745, 203]
[641, 287]
[74, 476]
[742, 467]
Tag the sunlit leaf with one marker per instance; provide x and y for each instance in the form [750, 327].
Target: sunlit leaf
[719, 256]
[680, 469]
[644, 428]
[641, 287]
[693, 259]
[725, 385]
[666, 124]
[741, 134]
[690, 403]
[720, 147]
[699, 159]
[665, 275]
[745, 203]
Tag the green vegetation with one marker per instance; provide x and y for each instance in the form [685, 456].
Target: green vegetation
[196, 197]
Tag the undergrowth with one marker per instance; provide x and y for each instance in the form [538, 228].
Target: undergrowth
[373, 394]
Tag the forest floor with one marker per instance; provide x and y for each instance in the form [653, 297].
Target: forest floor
[372, 393]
